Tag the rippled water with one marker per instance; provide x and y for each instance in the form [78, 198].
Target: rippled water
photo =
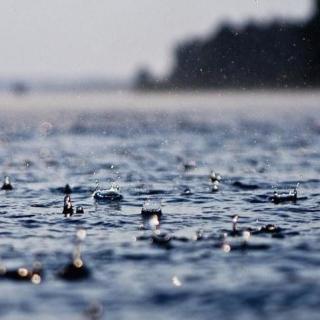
[255, 150]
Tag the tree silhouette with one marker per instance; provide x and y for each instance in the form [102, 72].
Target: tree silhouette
[275, 55]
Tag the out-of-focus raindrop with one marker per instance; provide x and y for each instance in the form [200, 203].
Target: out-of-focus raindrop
[176, 282]
[45, 128]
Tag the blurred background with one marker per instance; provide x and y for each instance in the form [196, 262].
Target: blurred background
[177, 44]
[160, 98]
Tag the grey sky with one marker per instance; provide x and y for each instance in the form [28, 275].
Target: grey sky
[112, 38]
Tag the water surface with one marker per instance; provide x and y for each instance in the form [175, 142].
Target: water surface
[258, 142]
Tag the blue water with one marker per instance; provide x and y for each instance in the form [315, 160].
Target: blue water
[144, 153]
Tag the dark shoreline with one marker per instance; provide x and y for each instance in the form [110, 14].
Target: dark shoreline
[277, 55]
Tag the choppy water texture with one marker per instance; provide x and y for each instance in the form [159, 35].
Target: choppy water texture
[257, 143]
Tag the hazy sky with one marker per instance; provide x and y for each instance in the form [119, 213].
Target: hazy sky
[112, 38]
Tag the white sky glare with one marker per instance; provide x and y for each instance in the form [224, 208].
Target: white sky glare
[113, 38]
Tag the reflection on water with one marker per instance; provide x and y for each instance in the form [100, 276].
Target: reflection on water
[206, 252]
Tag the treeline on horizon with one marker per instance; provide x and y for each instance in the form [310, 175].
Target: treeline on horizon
[278, 55]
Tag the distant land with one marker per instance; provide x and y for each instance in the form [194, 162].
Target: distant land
[277, 55]
[76, 85]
